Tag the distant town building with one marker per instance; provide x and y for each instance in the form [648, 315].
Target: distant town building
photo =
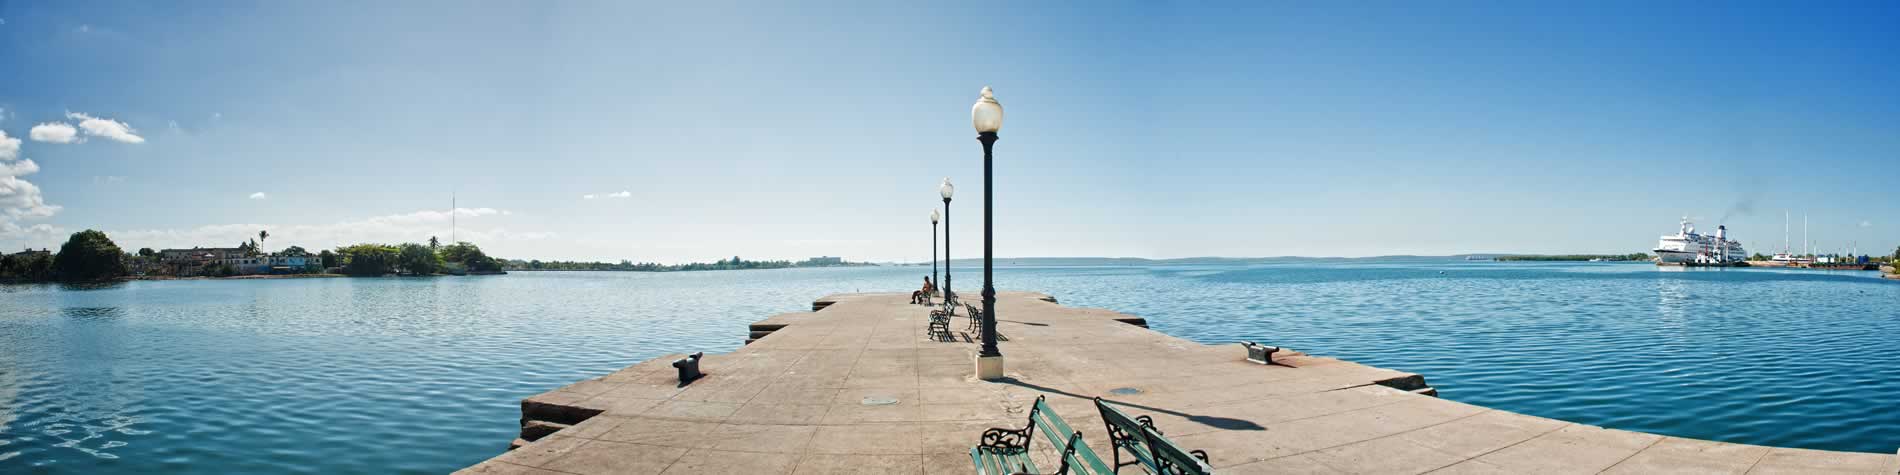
[29, 252]
[192, 262]
[821, 261]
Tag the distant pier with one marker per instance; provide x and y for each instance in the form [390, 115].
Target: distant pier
[857, 386]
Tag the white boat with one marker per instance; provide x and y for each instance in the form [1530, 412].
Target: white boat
[1689, 247]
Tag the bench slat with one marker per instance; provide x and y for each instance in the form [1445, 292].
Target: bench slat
[1058, 432]
[1022, 460]
[990, 462]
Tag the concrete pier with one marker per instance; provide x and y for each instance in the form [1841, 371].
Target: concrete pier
[857, 387]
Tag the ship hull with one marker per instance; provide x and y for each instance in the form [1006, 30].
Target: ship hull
[1674, 257]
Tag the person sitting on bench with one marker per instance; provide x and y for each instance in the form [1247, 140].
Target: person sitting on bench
[923, 296]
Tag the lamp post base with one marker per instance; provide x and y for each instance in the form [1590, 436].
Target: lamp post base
[989, 368]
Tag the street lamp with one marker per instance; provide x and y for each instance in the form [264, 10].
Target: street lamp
[946, 189]
[987, 117]
[934, 218]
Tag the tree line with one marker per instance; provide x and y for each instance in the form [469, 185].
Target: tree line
[735, 263]
[91, 256]
[371, 259]
[87, 256]
[1578, 257]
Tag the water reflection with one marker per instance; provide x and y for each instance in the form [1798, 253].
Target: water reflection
[101, 314]
[84, 286]
[332, 375]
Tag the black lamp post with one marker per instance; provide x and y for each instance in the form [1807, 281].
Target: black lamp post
[946, 189]
[934, 217]
[987, 117]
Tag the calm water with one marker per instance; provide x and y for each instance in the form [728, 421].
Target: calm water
[338, 375]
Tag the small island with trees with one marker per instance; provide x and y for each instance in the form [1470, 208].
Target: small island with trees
[91, 256]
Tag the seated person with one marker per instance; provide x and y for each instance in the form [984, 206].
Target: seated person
[923, 296]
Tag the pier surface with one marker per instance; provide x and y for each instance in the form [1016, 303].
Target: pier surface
[857, 387]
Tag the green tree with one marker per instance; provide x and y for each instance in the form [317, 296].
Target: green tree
[329, 258]
[461, 251]
[434, 243]
[26, 267]
[470, 256]
[295, 251]
[88, 256]
[417, 259]
[368, 259]
[261, 235]
[147, 252]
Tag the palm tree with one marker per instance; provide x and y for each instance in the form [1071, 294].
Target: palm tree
[261, 235]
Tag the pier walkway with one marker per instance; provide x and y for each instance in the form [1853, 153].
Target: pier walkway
[857, 387]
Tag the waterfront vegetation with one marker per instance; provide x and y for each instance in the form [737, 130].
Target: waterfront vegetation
[735, 263]
[1577, 257]
[412, 259]
[88, 256]
[91, 256]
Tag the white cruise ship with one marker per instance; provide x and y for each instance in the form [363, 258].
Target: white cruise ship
[1688, 247]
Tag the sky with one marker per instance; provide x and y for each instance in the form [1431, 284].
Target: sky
[694, 131]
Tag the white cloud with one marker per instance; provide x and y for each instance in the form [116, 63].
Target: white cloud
[19, 199]
[396, 228]
[259, 195]
[45, 235]
[1866, 224]
[621, 194]
[9, 147]
[54, 132]
[107, 179]
[108, 128]
[588, 196]
[19, 168]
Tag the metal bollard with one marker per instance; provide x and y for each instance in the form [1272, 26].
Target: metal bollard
[689, 368]
[1259, 353]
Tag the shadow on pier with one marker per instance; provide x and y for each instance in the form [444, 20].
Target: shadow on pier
[1223, 423]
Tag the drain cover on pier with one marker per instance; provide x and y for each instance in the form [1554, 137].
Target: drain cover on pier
[1124, 391]
[878, 401]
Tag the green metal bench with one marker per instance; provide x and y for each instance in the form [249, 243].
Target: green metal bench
[1006, 451]
[1145, 444]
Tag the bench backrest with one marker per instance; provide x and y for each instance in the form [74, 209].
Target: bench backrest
[1155, 452]
[1068, 442]
[1172, 458]
[1126, 432]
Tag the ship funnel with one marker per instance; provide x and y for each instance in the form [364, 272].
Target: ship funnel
[1721, 231]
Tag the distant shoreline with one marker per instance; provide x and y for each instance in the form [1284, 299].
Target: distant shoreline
[235, 277]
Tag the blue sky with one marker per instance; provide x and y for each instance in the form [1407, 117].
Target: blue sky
[1138, 129]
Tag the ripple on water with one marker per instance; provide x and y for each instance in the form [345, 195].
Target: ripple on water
[425, 375]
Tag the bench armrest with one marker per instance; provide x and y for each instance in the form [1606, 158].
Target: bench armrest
[1000, 438]
[1148, 422]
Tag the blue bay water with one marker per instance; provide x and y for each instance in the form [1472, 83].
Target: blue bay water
[406, 375]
